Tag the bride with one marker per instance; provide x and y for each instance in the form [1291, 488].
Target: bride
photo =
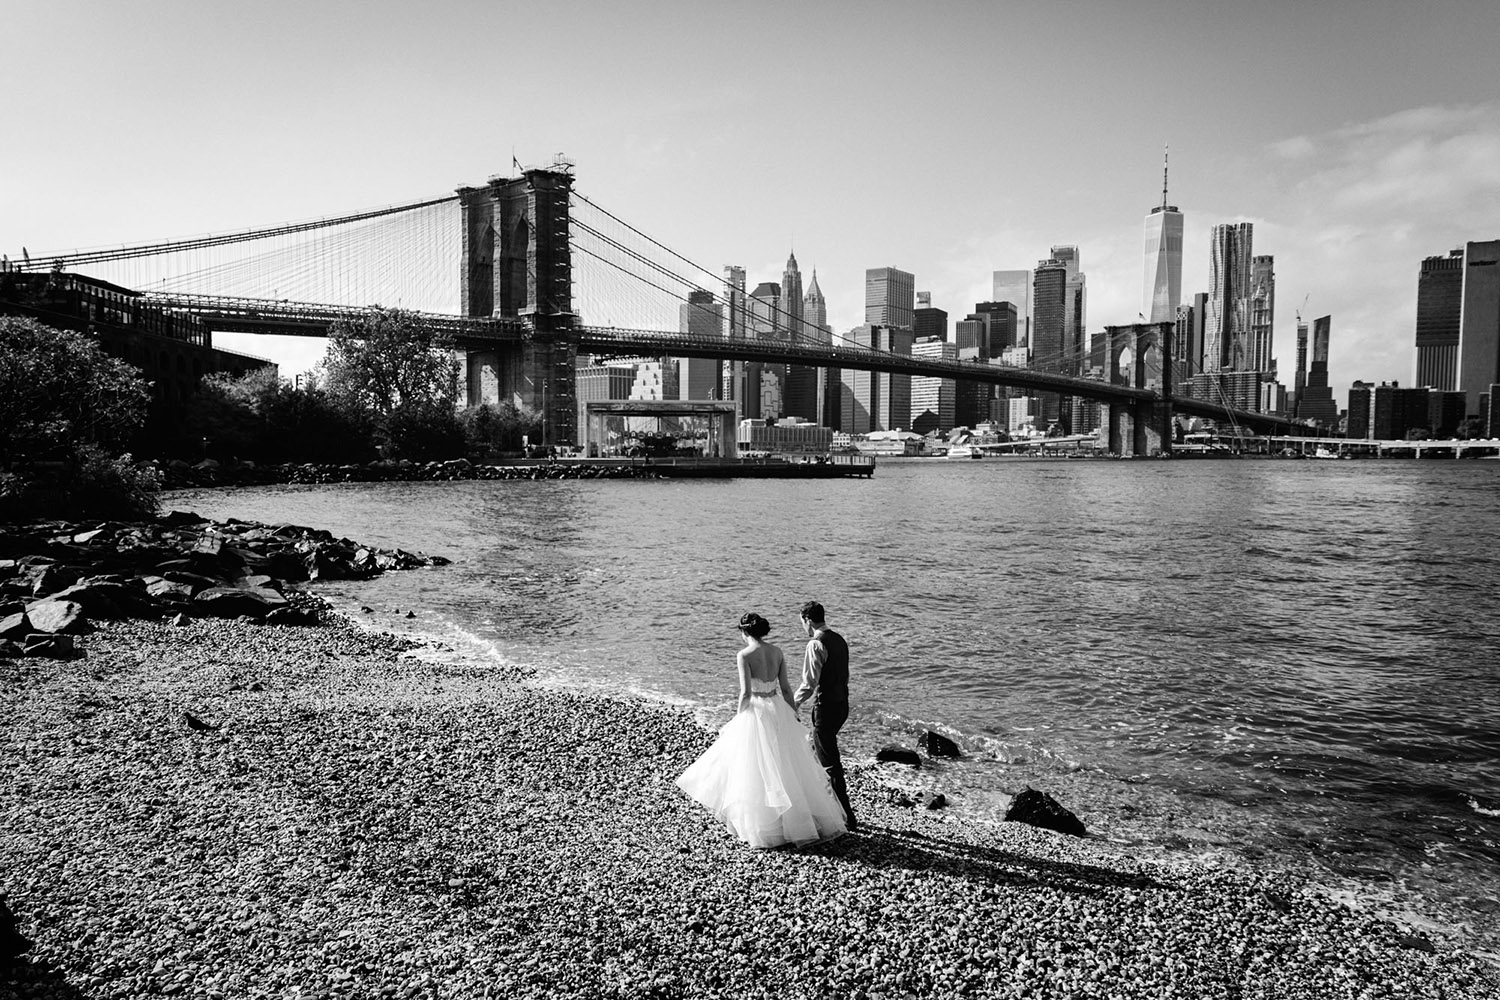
[760, 776]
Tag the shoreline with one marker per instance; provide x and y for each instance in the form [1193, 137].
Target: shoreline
[374, 823]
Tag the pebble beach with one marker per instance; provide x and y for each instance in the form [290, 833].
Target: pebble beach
[352, 819]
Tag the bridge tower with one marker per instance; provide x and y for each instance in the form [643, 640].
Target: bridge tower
[517, 263]
[1140, 427]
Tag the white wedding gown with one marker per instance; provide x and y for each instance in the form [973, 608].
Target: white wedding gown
[762, 778]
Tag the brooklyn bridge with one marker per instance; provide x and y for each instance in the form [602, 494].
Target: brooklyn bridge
[542, 276]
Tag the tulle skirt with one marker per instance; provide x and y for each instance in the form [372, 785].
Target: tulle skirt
[762, 779]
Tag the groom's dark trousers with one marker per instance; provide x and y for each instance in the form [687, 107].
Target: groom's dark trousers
[827, 720]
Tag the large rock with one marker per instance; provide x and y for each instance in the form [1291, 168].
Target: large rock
[109, 600]
[899, 755]
[56, 647]
[231, 602]
[1036, 808]
[292, 616]
[51, 577]
[938, 745]
[173, 590]
[58, 617]
[16, 626]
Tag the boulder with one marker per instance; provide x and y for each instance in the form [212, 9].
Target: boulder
[231, 602]
[109, 600]
[57, 617]
[56, 647]
[1036, 808]
[938, 801]
[899, 755]
[183, 517]
[291, 616]
[938, 745]
[51, 578]
[10, 650]
[171, 590]
[16, 626]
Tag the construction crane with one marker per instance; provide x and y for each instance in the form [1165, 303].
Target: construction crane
[1304, 306]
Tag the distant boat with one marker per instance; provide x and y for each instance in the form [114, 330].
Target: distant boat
[964, 451]
[1323, 452]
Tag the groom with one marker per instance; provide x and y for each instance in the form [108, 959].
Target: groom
[825, 681]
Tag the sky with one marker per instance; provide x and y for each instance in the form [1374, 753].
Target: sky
[948, 139]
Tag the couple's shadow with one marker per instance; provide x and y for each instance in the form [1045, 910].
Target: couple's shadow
[889, 847]
[36, 978]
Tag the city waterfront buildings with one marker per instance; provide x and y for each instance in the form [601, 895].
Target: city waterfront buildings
[1187, 338]
[1049, 332]
[1479, 325]
[788, 436]
[826, 405]
[1301, 380]
[1440, 294]
[889, 297]
[1074, 309]
[1161, 294]
[735, 322]
[1227, 325]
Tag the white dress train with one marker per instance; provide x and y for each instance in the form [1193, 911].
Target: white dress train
[762, 778]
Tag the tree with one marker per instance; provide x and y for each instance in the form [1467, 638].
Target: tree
[390, 362]
[60, 391]
[66, 410]
[259, 416]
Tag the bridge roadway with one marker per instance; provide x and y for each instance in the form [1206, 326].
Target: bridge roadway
[271, 316]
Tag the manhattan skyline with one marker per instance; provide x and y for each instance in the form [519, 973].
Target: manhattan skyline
[1357, 138]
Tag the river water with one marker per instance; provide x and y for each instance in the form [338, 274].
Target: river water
[1292, 664]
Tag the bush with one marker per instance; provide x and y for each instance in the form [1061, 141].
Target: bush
[492, 431]
[89, 483]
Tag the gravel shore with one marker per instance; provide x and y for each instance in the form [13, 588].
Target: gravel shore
[364, 823]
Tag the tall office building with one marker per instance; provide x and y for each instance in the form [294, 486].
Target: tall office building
[699, 316]
[791, 299]
[1049, 348]
[1227, 326]
[735, 321]
[762, 322]
[1316, 401]
[927, 320]
[1262, 314]
[826, 392]
[1440, 296]
[932, 398]
[889, 297]
[1015, 287]
[1000, 321]
[1162, 293]
[876, 401]
[1187, 338]
[1074, 318]
[1479, 326]
[1300, 383]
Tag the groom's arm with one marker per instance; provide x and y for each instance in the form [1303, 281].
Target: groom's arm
[812, 668]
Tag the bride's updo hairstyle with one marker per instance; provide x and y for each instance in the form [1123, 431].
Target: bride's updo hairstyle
[754, 625]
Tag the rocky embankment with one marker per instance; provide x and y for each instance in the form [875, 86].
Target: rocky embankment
[57, 579]
[178, 474]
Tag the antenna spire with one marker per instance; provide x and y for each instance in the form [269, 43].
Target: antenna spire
[1164, 176]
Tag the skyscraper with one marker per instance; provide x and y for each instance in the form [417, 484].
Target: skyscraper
[927, 320]
[1479, 330]
[1300, 385]
[699, 316]
[1000, 324]
[1227, 326]
[1440, 297]
[1262, 314]
[1315, 402]
[889, 297]
[826, 408]
[1187, 338]
[734, 329]
[791, 299]
[1074, 318]
[1162, 292]
[877, 401]
[932, 398]
[1049, 352]
[1015, 287]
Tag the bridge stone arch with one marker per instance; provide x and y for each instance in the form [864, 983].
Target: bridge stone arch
[516, 263]
[1144, 427]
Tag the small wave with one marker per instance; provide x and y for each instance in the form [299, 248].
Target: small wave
[1481, 810]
